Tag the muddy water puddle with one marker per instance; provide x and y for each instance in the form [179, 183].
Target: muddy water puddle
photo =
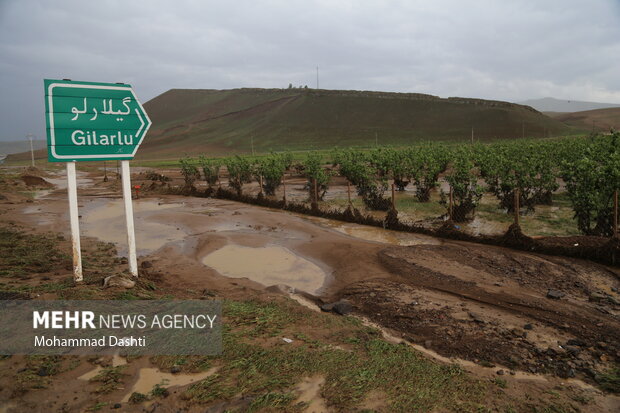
[40, 216]
[149, 377]
[309, 390]
[384, 236]
[479, 226]
[269, 265]
[105, 220]
[61, 182]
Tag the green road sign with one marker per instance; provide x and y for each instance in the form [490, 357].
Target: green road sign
[89, 121]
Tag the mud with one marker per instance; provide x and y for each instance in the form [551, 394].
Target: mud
[309, 390]
[474, 303]
[599, 249]
[105, 219]
[451, 299]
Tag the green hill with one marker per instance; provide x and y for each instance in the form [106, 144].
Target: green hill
[228, 121]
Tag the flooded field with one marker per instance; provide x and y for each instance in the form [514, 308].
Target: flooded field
[374, 234]
[451, 302]
[105, 219]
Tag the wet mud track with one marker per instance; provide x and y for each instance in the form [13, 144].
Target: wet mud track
[490, 306]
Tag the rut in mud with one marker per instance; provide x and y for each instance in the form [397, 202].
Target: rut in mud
[490, 305]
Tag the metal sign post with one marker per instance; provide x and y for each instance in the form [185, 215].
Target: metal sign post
[89, 121]
[131, 236]
[75, 222]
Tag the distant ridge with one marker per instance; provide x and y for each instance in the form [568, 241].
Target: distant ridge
[598, 120]
[557, 105]
[223, 122]
[10, 147]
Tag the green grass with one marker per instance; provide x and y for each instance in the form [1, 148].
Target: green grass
[610, 380]
[353, 359]
[136, 398]
[273, 400]
[501, 383]
[97, 406]
[368, 363]
[110, 379]
[187, 364]
[24, 254]
[159, 390]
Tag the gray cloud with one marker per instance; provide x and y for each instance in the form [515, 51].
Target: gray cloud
[489, 49]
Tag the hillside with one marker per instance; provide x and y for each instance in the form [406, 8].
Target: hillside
[8, 147]
[565, 105]
[600, 120]
[229, 121]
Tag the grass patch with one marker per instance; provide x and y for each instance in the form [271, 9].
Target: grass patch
[136, 398]
[159, 390]
[254, 362]
[187, 364]
[271, 400]
[24, 254]
[501, 383]
[98, 406]
[610, 380]
[39, 371]
[110, 378]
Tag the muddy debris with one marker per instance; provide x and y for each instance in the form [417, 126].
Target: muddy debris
[118, 281]
[555, 294]
[476, 322]
[342, 307]
[240, 404]
[36, 181]
[477, 318]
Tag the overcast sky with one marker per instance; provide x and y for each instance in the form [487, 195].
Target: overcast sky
[506, 50]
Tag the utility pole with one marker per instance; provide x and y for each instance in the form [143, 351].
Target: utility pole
[317, 77]
[252, 143]
[31, 149]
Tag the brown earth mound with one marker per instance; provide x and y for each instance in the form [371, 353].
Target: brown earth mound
[36, 181]
[493, 305]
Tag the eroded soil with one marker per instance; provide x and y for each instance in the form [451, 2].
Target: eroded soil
[481, 306]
